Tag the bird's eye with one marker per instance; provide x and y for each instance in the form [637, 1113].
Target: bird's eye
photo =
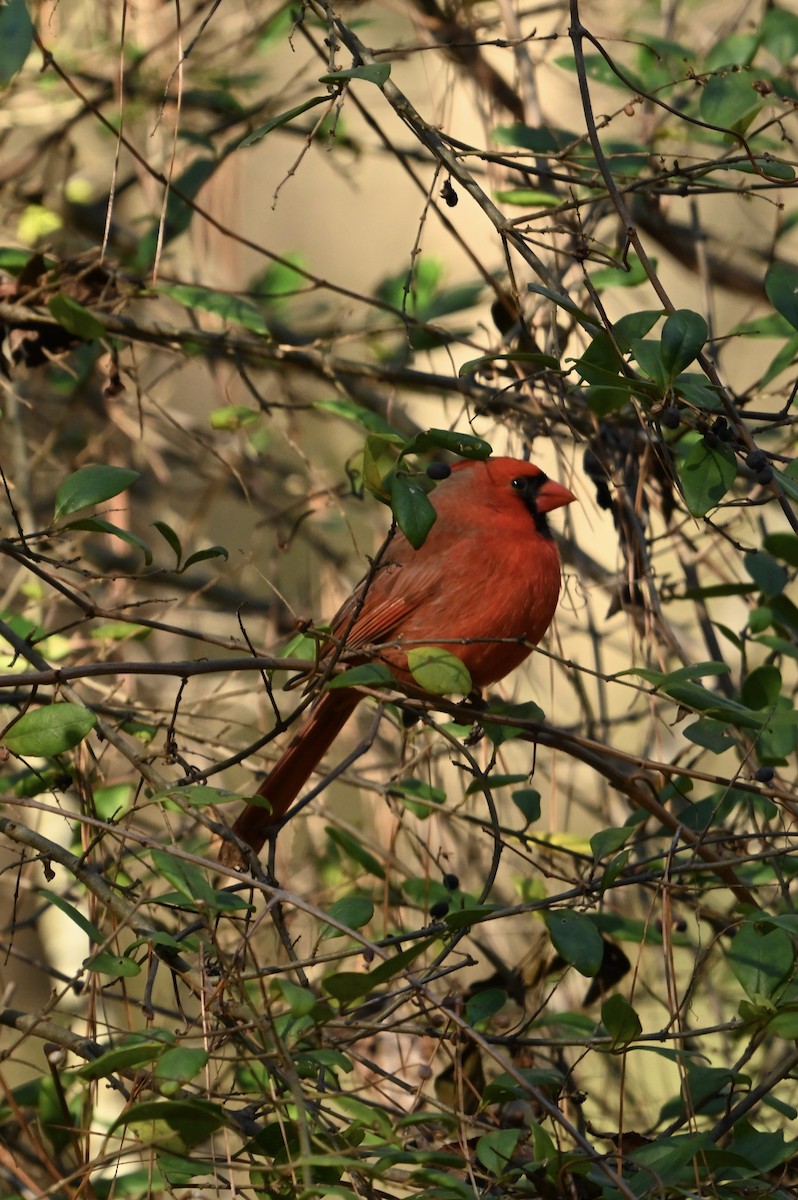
[439, 470]
[520, 483]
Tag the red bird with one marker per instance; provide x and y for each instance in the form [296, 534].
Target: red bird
[484, 585]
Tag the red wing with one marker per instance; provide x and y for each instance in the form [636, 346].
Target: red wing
[393, 595]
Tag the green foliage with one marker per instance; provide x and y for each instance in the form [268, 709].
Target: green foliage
[538, 944]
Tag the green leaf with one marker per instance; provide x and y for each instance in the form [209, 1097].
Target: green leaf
[762, 687]
[543, 140]
[697, 390]
[418, 796]
[282, 119]
[632, 275]
[528, 198]
[760, 961]
[608, 841]
[496, 1149]
[377, 73]
[366, 675]
[43, 732]
[485, 1004]
[546, 362]
[199, 795]
[82, 922]
[464, 444]
[769, 576]
[779, 32]
[352, 848]
[349, 411]
[351, 985]
[228, 307]
[203, 556]
[98, 525]
[300, 1000]
[179, 211]
[115, 965]
[783, 546]
[729, 101]
[706, 475]
[576, 939]
[710, 734]
[91, 485]
[170, 537]
[498, 734]
[189, 881]
[414, 512]
[683, 335]
[232, 417]
[16, 39]
[74, 317]
[620, 1020]
[781, 287]
[648, 356]
[464, 918]
[124, 1059]
[353, 911]
[527, 801]
[438, 671]
[191, 1121]
[178, 1065]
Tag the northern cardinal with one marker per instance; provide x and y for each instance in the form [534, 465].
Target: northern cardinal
[484, 584]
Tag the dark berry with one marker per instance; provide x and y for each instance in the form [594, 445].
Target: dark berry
[711, 440]
[439, 910]
[451, 883]
[439, 470]
[764, 774]
[670, 417]
[756, 460]
[765, 475]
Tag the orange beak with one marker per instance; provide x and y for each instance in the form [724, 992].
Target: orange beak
[552, 495]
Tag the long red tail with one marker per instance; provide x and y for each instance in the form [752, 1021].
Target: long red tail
[285, 780]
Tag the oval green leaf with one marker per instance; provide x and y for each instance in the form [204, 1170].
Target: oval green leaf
[781, 286]
[377, 73]
[16, 38]
[48, 731]
[439, 671]
[98, 525]
[683, 336]
[76, 319]
[620, 1020]
[706, 475]
[91, 485]
[353, 911]
[282, 119]
[412, 508]
[729, 101]
[115, 965]
[576, 939]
